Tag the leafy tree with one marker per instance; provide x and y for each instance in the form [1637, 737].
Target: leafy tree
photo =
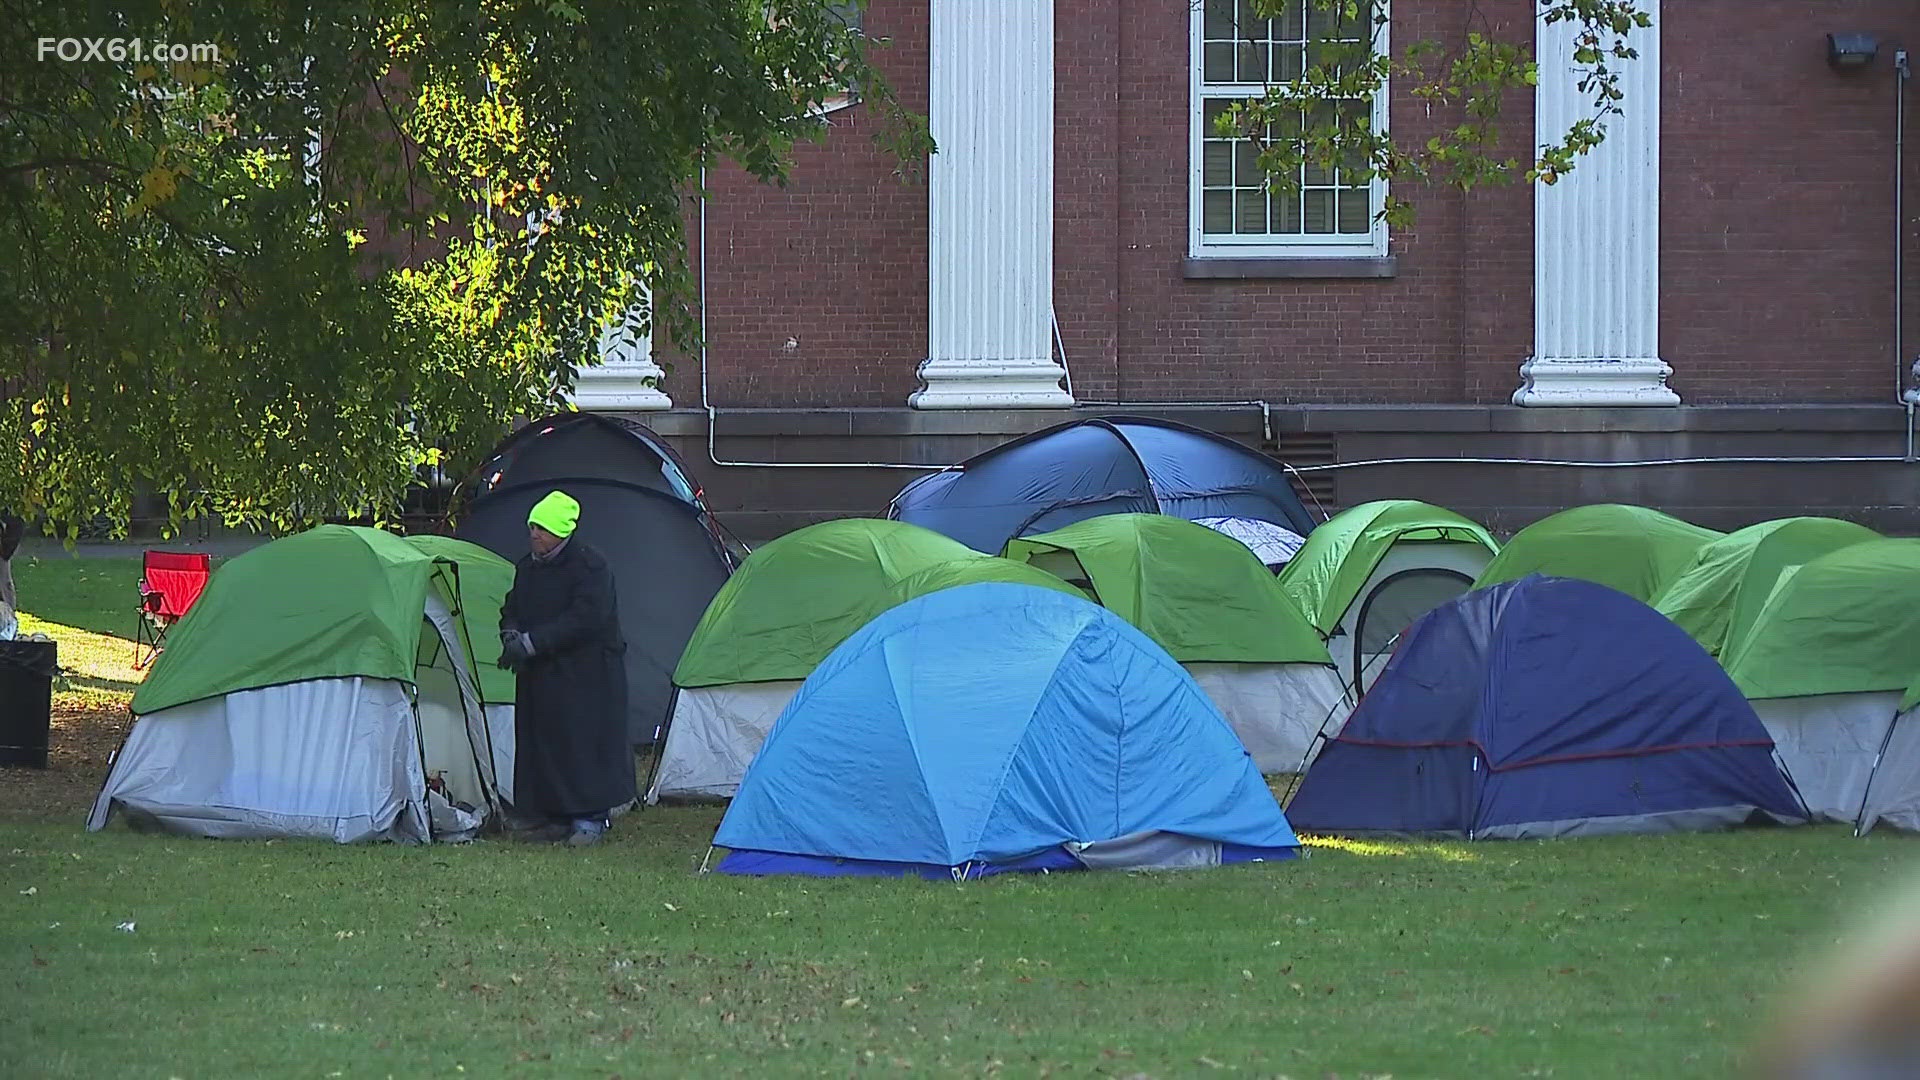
[273, 283]
[1308, 118]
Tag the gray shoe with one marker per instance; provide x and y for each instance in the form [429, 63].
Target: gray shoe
[585, 837]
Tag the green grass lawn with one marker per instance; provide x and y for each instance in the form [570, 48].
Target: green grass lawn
[1639, 956]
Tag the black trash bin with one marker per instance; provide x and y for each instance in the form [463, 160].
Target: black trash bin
[26, 700]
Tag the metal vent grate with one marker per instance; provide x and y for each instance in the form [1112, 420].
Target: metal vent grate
[1300, 448]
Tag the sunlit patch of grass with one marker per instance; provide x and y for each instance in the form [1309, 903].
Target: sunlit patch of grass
[1445, 852]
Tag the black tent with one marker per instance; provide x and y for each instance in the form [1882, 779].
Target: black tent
[639, 508]
[1101, 465]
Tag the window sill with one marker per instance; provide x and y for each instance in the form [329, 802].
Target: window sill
[1367, 266]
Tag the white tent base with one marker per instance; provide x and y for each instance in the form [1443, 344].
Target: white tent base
[1276, 709]
[1829, 744]
[713, 736]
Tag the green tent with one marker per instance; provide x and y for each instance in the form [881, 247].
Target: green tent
[1632, 549]
[1332, 567]
[790, 604]
[1717, 597]
[340, 683]
[335, 601]
[794, 600]
[1215, 607]
[1846, 622]
[1201, 595]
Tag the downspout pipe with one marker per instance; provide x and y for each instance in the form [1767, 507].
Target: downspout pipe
[1909, 397]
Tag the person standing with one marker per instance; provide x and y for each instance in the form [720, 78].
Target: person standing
[560, 635]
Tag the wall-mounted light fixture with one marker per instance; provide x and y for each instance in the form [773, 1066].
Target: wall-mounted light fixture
[1851, 52]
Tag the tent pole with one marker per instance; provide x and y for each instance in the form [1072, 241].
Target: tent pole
[1319, 736]
[1860, 819]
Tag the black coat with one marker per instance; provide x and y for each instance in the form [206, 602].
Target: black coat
[571, 752]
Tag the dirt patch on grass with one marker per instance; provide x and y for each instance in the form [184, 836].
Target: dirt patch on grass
[80, 742]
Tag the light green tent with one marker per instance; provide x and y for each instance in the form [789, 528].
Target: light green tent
[1717, 597]
[790, 604]
[1369, 572]
[1632, 549]
[794, 600]
[1210, 602]
[337, 683]
[1846, 622]
[1201, 595]
[1829, 662]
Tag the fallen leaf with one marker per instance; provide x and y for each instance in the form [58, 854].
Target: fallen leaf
[1209, 1062]
[669, 907]
[30, 890]
[1248, 974]
[126, 927]
[850, 1003]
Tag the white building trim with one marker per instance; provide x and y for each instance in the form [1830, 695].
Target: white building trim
[1596, 238]
[990, 212]
[627, 378]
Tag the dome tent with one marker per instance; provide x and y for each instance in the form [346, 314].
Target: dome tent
[1718, 596]
[1827, 664]
[1369, 572]
[640, 510]
[1546, 707]
[339, 683]
[1208, 601]
[1629, 548]
[1105, 465]
[998, 727]
[791, 603]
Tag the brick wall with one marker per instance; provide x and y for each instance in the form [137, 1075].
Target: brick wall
[1776, 217]
[817, 292]
[1776, 247]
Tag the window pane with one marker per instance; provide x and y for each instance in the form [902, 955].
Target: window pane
[1286, 63]
[1210, 113]
[1314, 174]
[1219, 20]
[1318, 206]
[1286, 212]
[1216, 212]
[1356, 209]
[1291, 25]
[1248, 26]
[1246, 165]
[1219, 62]
[1252, 63]
[1218, 168]
[1250, 211]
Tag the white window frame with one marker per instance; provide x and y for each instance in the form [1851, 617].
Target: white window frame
[1201, 245]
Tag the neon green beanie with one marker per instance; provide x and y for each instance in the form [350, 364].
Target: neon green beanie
[557, 513]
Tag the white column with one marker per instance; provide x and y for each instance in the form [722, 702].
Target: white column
[627, 379]
[1596, 237]
[990, 213]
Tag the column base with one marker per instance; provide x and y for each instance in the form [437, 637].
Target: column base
[974, 384]
[1588, 383]
[625, 388]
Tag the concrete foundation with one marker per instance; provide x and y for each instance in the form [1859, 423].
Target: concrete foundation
[792, 488]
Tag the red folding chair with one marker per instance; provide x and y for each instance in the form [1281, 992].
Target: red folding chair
[170, 583]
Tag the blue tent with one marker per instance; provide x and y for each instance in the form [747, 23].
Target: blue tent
[1546, 707]
[1108, 465]
[997, 727]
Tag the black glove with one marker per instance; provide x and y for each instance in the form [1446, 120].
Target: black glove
[515, 649]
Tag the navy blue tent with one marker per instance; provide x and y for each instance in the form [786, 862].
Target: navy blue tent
[1546, 707]
[996, 727]
[1107, 465]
